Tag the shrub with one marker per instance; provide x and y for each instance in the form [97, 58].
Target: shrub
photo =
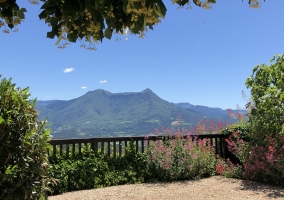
[23, 146]
[232, 167]
[266, 163]
[93, 170]
[242, 129]
[228, 169]
[239, 136]
[180, 158]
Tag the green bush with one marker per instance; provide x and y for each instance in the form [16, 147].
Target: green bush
[267, 106]
[23, 146]
[243, 129]
[94, 170]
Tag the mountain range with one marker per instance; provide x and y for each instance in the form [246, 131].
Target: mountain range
[100, 113]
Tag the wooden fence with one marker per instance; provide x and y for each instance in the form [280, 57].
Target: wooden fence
[114, 146]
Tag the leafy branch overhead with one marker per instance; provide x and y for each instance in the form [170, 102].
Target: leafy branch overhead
[94, 20]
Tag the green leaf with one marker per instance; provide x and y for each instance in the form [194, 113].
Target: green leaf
[21, 14]
[50, 11]
[108, 33]
[197, 2]
[50, 34]
[1, 120]
[23, 10]
[158, 11]
[10, 26]
[162, 8]
[42, 15]
[72, 37]
[52, 21]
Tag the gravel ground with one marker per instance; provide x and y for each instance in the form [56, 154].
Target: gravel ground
[216, 187]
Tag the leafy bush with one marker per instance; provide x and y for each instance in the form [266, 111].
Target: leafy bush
[83, 171]
[93, 170]
[180, 158]
[267, 106]
[23, 146]
[243, 129]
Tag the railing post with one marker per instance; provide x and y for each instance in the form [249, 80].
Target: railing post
[221, 149]
[95, 145]
[142, 144]
[108, 148]
[54, 149]
[67, 150]
[120, 148]
[114, 149]
[137, 147]
[92, 144]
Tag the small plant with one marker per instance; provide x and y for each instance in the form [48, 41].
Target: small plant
[228, 169]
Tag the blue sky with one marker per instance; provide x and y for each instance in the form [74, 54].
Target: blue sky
[198, 56]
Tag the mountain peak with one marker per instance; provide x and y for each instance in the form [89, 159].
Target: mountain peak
[147, 90]
[102, 91]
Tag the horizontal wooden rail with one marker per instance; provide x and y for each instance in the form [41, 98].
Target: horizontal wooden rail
[115, 146]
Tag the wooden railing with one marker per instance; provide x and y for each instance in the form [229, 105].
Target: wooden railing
[114, 146]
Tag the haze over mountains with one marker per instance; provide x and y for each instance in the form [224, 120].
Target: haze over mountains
[100, 113]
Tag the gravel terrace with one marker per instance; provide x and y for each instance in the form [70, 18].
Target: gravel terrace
[216, 187]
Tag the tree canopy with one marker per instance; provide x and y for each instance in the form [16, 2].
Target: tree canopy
[94, 20]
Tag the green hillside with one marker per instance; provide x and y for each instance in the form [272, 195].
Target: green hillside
[101, 113]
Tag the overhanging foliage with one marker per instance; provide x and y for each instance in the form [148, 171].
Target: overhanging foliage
[94, 20]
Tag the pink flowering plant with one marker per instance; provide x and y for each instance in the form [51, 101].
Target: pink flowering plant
[180, 157]
[266, 163]
[237, 145]
[228, 169]
[211, 127]
[237, 149]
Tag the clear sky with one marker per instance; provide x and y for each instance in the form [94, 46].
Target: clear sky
[198, 56]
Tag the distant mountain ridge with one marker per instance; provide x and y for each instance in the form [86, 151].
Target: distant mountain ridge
[101, 113]
[207, 110]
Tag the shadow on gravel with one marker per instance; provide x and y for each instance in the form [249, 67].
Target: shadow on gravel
[270, 190]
